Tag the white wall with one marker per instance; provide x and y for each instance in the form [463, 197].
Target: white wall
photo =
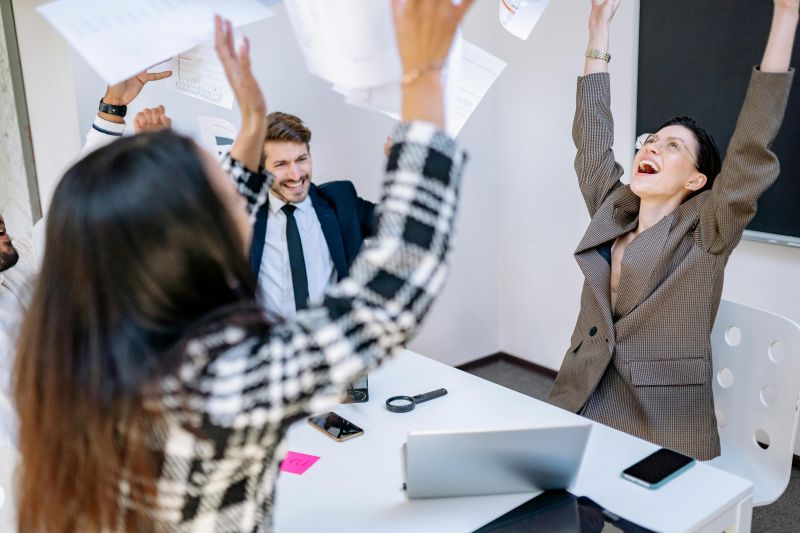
[543, 215]
[347, 143]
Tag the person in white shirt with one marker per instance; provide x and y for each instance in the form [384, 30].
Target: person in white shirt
[20, 258]
[19, 263]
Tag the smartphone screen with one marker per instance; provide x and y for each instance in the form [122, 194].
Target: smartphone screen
[657, 467]
[335, 426]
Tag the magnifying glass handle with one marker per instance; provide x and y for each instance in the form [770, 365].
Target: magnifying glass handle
[438, 393]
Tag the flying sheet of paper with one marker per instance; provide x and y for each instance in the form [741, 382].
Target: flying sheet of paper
[217, 135]
[350, 43]
[198, 73]
[467, 83]
[520, 16]
[121, 38]
[387, 98]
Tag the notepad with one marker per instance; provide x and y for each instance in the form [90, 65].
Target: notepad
[298, 463]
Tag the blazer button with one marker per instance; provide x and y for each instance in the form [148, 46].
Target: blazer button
[593, 331]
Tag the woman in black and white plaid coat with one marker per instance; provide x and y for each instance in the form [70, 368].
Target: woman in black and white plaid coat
[152, 395]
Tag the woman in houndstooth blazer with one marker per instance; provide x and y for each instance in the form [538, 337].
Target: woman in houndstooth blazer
[655, 252]
[152, 394]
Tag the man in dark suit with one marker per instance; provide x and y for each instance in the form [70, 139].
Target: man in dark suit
[305, 236]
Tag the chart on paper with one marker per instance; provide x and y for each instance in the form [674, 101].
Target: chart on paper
[519, 17]
[198, 73]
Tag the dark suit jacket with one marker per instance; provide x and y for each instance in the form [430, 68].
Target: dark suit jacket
[646, 367]
[346, 220]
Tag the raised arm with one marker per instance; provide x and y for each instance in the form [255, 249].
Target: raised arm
[106, 126]
[750, 167]
[152, 119]
[249, 144]
[593, 127]
[778, 52]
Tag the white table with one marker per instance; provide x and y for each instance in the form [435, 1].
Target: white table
[357, 484]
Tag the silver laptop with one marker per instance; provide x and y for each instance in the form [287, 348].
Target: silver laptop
[479, 462]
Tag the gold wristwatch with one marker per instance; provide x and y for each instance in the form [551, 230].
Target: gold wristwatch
[597, 54]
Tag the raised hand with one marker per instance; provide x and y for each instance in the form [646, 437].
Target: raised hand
[125, 92]
[238, 70]
[602, 13]
[425, 30]
[778, 53]
[249, 144]
[599, 22]
[152, 119]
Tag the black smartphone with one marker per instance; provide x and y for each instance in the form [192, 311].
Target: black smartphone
[658, 468]
[335, 426]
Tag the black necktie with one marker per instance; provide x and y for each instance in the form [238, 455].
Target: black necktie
[297, 261]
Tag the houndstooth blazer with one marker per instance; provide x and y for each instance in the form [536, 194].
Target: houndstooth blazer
[646, 369]
[228, 405]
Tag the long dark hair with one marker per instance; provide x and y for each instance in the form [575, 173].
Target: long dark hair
[139, 248]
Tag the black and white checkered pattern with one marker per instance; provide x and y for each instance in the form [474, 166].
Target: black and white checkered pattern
[646, 368]
[229, 404]
[253, 186]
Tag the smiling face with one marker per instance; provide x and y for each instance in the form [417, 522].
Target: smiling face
[664, 168]
[8, 254]
[290, 163]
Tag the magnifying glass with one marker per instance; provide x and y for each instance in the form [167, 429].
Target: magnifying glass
[404, 404]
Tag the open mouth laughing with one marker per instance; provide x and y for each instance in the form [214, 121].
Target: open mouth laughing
[648, 167]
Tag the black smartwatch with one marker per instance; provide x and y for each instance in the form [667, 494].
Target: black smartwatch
[116, 110]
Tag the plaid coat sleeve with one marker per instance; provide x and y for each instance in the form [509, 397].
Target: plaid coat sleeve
[750, 167]
[253, 186]
[377, 308]
[593, 132]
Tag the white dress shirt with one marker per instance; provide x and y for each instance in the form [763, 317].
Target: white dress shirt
[275, 289]
[16, 290]
[100, 134]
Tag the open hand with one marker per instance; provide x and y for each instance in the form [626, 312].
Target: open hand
[125, 92]
[425, 30]
[602, 13]
[152, 119]
[238, 71]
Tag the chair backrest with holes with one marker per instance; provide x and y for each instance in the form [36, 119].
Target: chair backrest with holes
[756, 389]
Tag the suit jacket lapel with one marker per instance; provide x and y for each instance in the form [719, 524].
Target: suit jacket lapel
[617, 217]
[598, 274]
[642, 255]
[330, 228]
[259, 238]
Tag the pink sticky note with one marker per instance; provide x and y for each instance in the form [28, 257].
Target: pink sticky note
[298, 463]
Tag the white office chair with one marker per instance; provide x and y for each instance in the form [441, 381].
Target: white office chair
[756, 391]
